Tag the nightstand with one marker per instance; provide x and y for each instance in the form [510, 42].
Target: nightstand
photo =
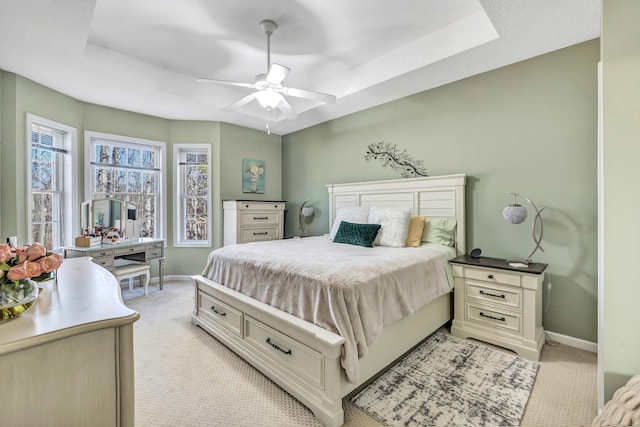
[499, 304]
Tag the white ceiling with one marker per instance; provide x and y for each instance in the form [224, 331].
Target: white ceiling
[144, 55]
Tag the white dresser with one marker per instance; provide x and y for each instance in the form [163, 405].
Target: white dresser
[251, 221]
[499, 304]
[68, 360]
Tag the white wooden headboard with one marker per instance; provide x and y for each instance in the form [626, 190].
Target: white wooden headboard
[433, 197]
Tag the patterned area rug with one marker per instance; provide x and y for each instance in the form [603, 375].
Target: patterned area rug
[448, 381]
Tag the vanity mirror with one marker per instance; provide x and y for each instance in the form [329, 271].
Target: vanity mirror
[106, 213]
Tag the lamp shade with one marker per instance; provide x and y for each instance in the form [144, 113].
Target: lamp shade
[307, 211]
[515, 213]
[268, 99]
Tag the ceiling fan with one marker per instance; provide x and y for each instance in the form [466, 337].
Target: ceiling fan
[269, 90]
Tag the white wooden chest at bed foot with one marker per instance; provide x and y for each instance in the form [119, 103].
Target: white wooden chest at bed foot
[499, 304]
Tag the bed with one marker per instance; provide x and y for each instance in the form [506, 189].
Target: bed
[313, 359]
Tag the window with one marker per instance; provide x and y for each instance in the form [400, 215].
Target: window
[128, 169]
[51, 159]
[192, 187]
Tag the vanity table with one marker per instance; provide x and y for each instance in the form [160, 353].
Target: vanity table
[68, 360]
[112, 255]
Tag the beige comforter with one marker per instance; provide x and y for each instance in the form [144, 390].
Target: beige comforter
[350, 290]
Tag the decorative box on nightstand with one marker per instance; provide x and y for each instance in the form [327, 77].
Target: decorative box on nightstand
[499, 304]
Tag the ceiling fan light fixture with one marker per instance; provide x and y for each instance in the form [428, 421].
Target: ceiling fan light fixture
[268, 98]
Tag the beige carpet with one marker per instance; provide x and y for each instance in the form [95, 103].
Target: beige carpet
[185, 377]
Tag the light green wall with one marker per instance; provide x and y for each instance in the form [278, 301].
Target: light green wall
[529, 128]
[232, 143]
[621, 151]
[187, 261]
[242, 143]
[23, 96]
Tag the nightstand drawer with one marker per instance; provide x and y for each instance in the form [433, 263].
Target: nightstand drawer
[255, 234]
[497, 318]
[258, 218]
[220, 312]
[493, 276]
[507, 296]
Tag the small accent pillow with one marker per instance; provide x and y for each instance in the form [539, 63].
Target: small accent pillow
[416, 227]
[440, 230]
[394, 224]
[354, 214]
[357, 234]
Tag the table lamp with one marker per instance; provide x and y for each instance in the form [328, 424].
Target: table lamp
[305, 212]
[515, 213]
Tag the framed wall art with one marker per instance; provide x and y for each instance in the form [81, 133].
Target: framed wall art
[253, 176]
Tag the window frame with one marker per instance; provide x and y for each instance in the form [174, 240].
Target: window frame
[70, 191]
[178, 205]
[90, 136]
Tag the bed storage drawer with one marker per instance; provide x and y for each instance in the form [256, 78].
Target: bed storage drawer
[294, 355]
[220, 312]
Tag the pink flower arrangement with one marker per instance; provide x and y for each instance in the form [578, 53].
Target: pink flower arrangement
[27, 262]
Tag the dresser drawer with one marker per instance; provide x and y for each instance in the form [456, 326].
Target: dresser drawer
[127, 250]
[254, 234]
[291, 353]
[507, 296]
[493, 276]
[220, 313]
[258, 218]
[101, 253]
[150, 254]
[106, 261]
[260, 206]
[495, 318]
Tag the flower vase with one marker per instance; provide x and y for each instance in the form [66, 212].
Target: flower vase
[15, 299]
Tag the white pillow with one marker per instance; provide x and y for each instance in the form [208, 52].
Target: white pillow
[394, 224]
[356, 214]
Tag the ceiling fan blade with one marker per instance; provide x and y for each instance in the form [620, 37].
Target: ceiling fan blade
[277, 73]
[309, 94]
[239, 104]
[224, 82]
[287, 111]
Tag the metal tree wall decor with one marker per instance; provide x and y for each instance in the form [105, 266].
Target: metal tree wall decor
[398, 160]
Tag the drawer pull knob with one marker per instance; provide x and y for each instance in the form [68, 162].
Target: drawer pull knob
[489, 294]
[260, 217]
[219, 313]
[501, 319]
[277, 347]
[264, 233]
[490, 276]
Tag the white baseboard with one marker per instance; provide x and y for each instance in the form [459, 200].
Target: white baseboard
[173, 278]
[573, 342]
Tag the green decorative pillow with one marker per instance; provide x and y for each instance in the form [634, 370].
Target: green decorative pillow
[357, 234]
[440, 230]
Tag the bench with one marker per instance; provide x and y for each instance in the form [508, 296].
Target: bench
[130, 271]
